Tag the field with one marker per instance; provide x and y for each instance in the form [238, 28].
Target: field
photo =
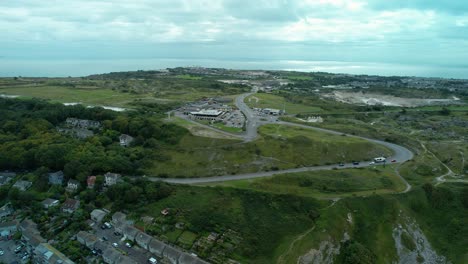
[105, 97]
[274, 101]
[109, 91]
[278, 147]
[199, 130]
[327, 184]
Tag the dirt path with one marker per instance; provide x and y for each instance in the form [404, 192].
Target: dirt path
[281, 259]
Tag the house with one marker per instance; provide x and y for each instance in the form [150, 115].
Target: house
[22, 185]
[82, 123]
[125, 260]
[101, 245]
[125, 140]
[165, 211]
[73, 185]
[87, 239]
[97, 215]
[130, 232]
[46, 253]
[110, 255]
[6, 177]
[119, 220]
[30, 235]
[143, 240]
[189, 259]
[8, 229]
[111, 178]
[6, 210]
[70, 206]
[47, 203]
[91, 181]
[171, 254]
[156, 247]
[56, 178]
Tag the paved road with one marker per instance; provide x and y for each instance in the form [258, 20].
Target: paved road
[400, 153]
[252, 121]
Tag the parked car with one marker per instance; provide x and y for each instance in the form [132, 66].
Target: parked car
[341, 164]
[115, 245]
[128, 245]
[355, 162]
[1, 252]
[18, 249]
[393, 160]
[371, 163]
[117, 233]
[104, 238]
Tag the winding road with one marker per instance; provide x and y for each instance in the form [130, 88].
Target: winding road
[400, 153]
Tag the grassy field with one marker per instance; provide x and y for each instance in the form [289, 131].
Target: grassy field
[188, 77]
[199, 130]
[226, 128]
[279, 147]
[106, 97]
[326, 184]
[274, 101]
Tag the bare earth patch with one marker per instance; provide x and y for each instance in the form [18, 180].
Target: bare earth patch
[387, 100]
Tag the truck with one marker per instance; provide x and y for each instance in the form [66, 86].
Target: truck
[379, 159]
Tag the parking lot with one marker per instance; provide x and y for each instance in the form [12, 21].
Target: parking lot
[138, 254]
[9, 256]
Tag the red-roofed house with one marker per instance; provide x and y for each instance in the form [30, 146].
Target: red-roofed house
[91, 181]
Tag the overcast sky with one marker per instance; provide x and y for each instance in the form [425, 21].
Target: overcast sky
[433, 32]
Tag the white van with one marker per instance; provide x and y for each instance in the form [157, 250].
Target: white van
[152, 260]
[379, 159]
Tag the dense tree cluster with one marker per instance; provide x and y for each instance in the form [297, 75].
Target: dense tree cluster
[29, 139]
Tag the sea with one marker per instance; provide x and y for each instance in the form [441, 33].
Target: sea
[84, 67]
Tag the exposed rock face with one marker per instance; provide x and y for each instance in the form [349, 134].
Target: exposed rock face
[412, 245]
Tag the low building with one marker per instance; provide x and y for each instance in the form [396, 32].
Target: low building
[22, 185]
[143, 240]
[156, 247]
[271, 111]
[125, 140]
[91, 181]
[82, 123]
[70, 206]
[73, 185]
[119, 220]
[56, 178]
[30, 235]
[97, 215]
[6, 177]
[171, 254]
[47, 203]
[130, 232]
[8, 229]
[110, 255]
[6, 210]
[87, 239]
[205, 114]
[111, 178]
[47, 254]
